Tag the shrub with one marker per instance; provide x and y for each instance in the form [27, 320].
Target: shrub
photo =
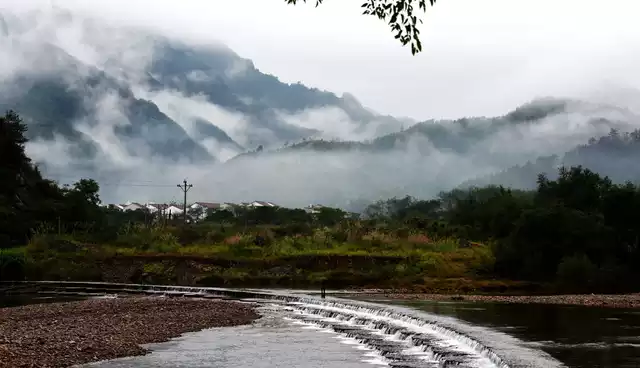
[264, 238]
[45, 243]
[403, 232]
[164, 243]
[576, 271]
[419, 239]
[214, 237]
[12, 264]
[187, 235]
[293, 229]
[233, 240]
[155, 239]
[340, 235]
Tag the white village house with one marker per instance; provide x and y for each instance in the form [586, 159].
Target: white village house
[256, 204]
[313, 208]
[197, 210]
[200, 210]
[132, 206]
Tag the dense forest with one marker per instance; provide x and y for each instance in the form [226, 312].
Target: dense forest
[573, 230]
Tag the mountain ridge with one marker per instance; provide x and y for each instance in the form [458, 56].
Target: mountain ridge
[139, 107]
[460, 135]
[226, 81]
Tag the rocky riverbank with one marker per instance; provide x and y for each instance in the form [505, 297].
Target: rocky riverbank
[593, 300]
[66, 334]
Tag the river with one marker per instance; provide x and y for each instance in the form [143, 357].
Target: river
[578, 336]
[416, 334]
[306, 331]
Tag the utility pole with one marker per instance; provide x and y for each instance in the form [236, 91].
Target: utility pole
[185, 188]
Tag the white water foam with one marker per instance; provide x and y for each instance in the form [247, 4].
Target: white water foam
[488, 343]
[482, 357]
[371, 356]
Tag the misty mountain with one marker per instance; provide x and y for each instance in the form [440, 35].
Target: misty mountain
[140, 111]
[229, 81]
[615, 155]
[467, 135]
[69, 99]
[171, 100]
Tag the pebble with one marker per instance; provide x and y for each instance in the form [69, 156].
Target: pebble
[65, 334]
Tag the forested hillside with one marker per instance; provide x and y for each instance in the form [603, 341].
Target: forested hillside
[614, 155]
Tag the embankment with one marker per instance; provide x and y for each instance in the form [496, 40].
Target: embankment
[299, 271]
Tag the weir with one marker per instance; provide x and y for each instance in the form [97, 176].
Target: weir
[403, 340]
[395, 338]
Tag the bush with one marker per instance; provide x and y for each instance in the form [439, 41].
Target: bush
[45, 243]
[340, 236]
[293, 229]
[403, 232]
[154, 239]
[12, 264]
[214, 237]
[264, 239]
[187, 235]
[576, 271]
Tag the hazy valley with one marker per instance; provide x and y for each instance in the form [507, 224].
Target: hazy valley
[139, 112]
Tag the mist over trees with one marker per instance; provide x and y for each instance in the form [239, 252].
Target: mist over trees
[188, 109]
[578, 230]
[615, 155]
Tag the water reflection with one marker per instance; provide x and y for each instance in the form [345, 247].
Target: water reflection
[580, 337]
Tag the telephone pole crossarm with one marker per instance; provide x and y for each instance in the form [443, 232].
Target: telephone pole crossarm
[185, 188]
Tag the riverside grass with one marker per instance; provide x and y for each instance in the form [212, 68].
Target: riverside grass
[218, 255]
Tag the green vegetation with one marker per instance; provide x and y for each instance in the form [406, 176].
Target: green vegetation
[578, 232]
[261, 247]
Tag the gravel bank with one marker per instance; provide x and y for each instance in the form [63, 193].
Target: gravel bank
[65, 334]
[593, 300]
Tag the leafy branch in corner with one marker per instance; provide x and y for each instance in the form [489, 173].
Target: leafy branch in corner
[399, 14]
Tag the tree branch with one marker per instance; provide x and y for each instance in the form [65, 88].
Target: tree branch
[399, 14]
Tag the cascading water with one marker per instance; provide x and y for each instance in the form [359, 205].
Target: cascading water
[391, 336]
[402, 340]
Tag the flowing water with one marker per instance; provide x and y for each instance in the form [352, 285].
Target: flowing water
[580, 337]
[304, 331]
[270, 342]
[309, 332]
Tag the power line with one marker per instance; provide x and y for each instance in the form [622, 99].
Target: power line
[107, 183]
[136, 185]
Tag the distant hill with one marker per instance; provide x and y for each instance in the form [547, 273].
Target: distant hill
[467, 136]
[615, 155]
[137, 110]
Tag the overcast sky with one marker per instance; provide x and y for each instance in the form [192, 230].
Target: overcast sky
[480, 57]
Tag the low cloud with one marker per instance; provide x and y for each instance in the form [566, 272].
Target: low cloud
[128, 170]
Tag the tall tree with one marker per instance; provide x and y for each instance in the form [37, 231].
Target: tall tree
[24, 194]
[399, 14]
